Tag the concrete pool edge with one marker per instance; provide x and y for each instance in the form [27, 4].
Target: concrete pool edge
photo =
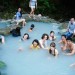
[46, 19]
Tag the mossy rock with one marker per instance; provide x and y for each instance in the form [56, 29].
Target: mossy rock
[2, 64]
[63, 26]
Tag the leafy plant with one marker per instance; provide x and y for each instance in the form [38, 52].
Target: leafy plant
[2, 65]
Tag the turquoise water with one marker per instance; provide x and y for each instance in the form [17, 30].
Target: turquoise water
[4, 24]
[35, 62]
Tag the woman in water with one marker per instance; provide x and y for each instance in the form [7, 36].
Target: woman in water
[25, 37]
[53, 50]
[52, 36]
[43, 41]
[35, 44]
[63, 42]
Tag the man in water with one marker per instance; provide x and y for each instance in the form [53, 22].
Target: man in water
[70, 47]
[63, 42]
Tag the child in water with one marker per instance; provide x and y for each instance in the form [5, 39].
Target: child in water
[31, 27]
[35, 44]
[53, 50]
[52, 36]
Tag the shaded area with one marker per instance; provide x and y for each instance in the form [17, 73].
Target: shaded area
[58, 9]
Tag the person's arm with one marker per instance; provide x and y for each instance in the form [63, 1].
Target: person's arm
[3, 39]
[56, 51]
[60, 41]
[68, 26]
[41, 44]
[31, 46]
[73, 51]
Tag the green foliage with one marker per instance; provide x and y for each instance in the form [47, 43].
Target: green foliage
[2, 64]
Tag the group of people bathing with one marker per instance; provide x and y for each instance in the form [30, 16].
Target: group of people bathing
[65, 39]
[66, 42]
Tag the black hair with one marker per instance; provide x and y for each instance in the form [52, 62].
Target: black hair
[26, 34]
[18, 31]
[35, 40]
[20, 12]
[69, 39]
[32, 26]
[0, 40]
[64, 36]
[44, 36]
[51, 32]
[52, 45]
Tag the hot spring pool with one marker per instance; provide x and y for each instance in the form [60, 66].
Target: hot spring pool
[35, 62]
[4, 24]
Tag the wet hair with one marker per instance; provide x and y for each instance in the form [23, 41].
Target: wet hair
[35, 40]
[64, 36]
[52, 45]
[69, 39]
[52, 36]
[44, 36]
[26, 34]
[32, 26]
[0, 40]
[51, 32]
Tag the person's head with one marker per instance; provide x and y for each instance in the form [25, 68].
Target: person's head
[52, 48]
[32, 26]
[69, 41]
[53, 45]
[35, 43]
[52, 33]
[26, 36]
[19, 9]
[72, 20]
[45, 36]
[18, 29]
[63, 37]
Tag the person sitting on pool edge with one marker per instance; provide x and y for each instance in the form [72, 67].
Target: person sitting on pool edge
[25, 37]
[63, 42]
[71, 28]
[35, 44]
[53, 50]
[19, 18]
[52, 36]
[2, 39]
[43, 41]
[31, 27]
[70, 47]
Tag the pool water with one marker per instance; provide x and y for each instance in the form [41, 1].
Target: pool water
[4, 24]
[35, 62]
